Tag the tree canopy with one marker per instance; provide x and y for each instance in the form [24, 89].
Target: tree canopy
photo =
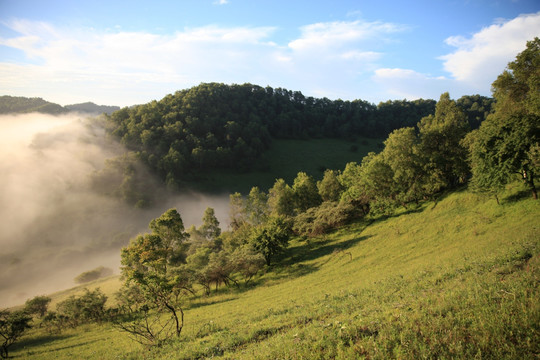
[506, 144]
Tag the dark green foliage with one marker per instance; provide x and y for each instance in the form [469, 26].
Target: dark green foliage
[13, 324]
[37, 305]
[89, 307]
[92, 275]
[126, 178]
[217, 126]
[154, 280]
[440, 146]
[329, 187]
[21, 105]
[506, 144]
[271, 238]
[305, 192]
[281, 199]
[91, 108]
[476, 108]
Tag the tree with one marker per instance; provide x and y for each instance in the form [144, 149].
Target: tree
[12, 327]
[329, 187]
[210, 228]
[37, 305]
[306, 194]
[444, 160]
[281, 199]
[506, 143]
[256, 206]
[152, 265]
[401, 152]
[237, 214]
[271, 238]
[89, 307]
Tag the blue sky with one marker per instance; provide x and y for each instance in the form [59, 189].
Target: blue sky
[130, 52]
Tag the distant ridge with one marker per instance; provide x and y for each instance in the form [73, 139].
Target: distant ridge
[90, 107]
[24, 105]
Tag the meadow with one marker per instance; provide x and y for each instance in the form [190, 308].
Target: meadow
[285, 158]
[453, 278]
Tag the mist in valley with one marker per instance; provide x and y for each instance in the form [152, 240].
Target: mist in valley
[55, 225]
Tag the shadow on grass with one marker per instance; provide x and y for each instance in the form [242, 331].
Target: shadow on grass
[26, 346]
[26, 343]
[198, 304]
[292, 265]
[518, 196]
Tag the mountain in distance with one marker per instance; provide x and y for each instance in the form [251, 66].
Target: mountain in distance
[91, 108]
[24, 105]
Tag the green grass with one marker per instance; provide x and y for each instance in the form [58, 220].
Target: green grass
[286, 158]
[453, 279]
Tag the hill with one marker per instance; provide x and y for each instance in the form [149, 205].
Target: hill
[91, 108]
[457, 278]
[23, 105]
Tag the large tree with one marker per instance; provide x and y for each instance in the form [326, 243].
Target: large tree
[506, 144]
[151, 266]
[445, 157]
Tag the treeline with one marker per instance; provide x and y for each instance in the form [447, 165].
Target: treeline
[23, 105]
[217, 126]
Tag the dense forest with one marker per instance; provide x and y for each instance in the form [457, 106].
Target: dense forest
[217, 126]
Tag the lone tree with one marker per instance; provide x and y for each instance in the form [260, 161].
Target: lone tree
[506, 144]
[12, 327]
[154, 280]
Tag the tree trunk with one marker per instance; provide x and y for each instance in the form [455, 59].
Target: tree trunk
[530, 182]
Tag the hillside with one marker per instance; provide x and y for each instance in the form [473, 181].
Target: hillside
[457, 278]
[24, 105]
[91, 108]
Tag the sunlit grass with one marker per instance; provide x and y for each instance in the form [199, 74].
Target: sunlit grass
[453, 279]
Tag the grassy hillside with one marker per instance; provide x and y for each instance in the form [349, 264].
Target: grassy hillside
[286, 158]
[453, 279]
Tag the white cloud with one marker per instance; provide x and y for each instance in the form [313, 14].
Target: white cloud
[122, 68]
[478, 60]
[134, 66]
[221, 2]
[473, 67]
[333, 35]
[409, 84]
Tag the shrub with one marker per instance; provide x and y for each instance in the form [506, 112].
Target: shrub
[322, 219]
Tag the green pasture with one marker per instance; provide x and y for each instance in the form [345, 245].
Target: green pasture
[286, 158]
[452, 279]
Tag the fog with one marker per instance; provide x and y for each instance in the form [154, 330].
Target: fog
[53, 225]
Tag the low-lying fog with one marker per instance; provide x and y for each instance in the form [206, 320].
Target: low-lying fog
[53, 226]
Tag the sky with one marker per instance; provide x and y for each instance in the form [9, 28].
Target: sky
[132, 52]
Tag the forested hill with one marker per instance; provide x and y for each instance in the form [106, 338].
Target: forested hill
[229, 126]
[23, 105]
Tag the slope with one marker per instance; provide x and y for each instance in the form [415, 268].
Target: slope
[453, 279]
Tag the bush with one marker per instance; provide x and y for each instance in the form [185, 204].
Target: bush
[320, 220]
[89, 307]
